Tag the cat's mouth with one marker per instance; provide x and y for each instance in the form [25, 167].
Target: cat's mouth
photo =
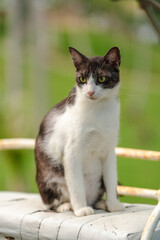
[92, 98]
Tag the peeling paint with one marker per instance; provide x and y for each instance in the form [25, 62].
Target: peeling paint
[136, 153]
[139, 192]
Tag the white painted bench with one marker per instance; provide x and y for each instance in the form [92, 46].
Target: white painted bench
[23, 215]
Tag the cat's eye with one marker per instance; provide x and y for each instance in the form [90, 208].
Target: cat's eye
[101, 79]
[83, 79]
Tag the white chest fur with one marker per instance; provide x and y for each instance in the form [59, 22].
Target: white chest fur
[96, 124]
[93, 128]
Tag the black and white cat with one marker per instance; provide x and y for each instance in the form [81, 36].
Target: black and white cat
[75, 147]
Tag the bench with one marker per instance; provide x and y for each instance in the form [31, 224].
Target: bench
[23, 215]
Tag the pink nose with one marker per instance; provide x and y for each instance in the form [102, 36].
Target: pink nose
[90, 93]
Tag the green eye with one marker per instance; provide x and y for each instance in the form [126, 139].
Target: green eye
[101, 79]
[83, 79]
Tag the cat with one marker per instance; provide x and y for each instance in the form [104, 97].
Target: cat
[75, 147]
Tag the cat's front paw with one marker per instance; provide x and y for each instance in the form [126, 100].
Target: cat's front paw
[115, 206]
[64, 207]
[84, 211]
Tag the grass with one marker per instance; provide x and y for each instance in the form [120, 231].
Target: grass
[139, 96]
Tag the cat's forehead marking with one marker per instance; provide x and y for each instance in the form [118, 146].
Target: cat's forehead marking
[95, 63]
[95, 67]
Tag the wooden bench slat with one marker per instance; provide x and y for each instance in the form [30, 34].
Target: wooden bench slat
[23, 216]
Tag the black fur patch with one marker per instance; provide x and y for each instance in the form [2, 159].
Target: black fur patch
[44, 167]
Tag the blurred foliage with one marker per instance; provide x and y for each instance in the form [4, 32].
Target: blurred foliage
[139, 93]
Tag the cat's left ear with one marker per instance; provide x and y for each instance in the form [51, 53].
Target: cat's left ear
[78, 58]
[113, 56]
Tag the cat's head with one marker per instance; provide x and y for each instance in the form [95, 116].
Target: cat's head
[97, 77]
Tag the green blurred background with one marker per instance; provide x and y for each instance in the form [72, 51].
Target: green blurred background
[36, 72]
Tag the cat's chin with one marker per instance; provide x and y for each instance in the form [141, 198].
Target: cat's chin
[93, 99]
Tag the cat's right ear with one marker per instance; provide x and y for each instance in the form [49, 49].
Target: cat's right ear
[78, 58]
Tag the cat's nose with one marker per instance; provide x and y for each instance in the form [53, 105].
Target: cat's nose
[90, 93]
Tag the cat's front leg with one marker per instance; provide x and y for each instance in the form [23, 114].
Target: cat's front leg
[75, 181]
[110, 181]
